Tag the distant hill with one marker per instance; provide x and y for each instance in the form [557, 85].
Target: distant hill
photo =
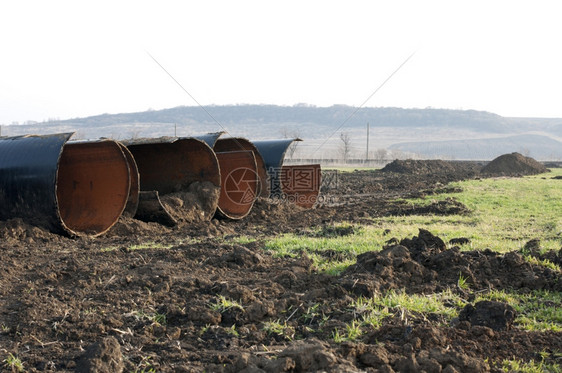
[460, 134]
[539, 147]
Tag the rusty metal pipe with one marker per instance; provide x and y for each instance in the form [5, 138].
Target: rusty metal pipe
[93, 184]
[297, 184]
[170, 165]
[239, 143]
[134, 190]
[75, 188]
[239, 183]
[301, 184]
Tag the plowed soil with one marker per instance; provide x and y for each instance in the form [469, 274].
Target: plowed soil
[145, 297]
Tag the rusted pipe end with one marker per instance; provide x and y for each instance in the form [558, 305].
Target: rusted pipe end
[73, 188]
[301, 184]
[297, 184]
[237, 144]
[134, 190]
[174, 165]
[239, 183]
[92, 186]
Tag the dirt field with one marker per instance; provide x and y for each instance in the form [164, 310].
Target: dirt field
[108, 304]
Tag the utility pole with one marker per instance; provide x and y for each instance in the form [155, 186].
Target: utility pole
[175, 130]
[367, 154]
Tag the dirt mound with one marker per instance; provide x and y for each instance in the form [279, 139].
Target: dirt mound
[16, 231]
[132, 227]
[412, 166]
[424, 264]
[198, 203]
[494, 315]
[102, 356]
[513, 164]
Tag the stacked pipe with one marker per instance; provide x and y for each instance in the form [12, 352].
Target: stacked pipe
[82, 188]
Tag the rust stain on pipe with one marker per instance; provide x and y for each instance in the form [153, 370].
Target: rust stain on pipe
[239, 183]
[298, 184]
[239, 143]
[301, 184]
[134, 190]
[92, 187]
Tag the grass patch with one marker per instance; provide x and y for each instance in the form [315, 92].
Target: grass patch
[373, 310]
[332, 249]
[351, 333]
[544, 262]
[13, 363]
[223, 304]
[529, 367]
[370, 313]
[241, 240]
[154, 317]
[507, 212]
[444, 303]
[279, 329]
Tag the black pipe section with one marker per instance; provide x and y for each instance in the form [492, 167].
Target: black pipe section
[210, 138]
[74, 188]
[273, 153]
[299, 184]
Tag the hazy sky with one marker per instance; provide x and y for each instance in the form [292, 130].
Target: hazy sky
[64, 59]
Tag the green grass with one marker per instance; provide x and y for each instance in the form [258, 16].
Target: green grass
[314, 243]
[278, 328]
[222, 304]
[351, 333]
[154, 317]
[241, 240]
[506, 213]
[529, 367]
[445, 303]
[13, 363]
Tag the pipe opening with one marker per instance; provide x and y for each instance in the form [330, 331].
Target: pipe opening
[237, 144]
[184, 172]
[239, 183]
[92, 186]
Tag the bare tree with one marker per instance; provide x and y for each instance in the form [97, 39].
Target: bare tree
[380, 154]
[291, 134]
[345, 146]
